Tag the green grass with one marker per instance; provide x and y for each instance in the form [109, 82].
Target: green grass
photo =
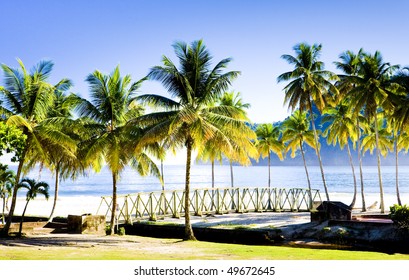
[171, 249]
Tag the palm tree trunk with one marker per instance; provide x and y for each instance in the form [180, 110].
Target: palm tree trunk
[57, 185]
[188, 226]
[353, 175]
[114, 204]
[231, 174]
[269, 182]
[213, 203]
[361, 176]
[317, 150]
[162, 175]
[6, 228]
[378, 155]
[212, 173]
[306, 173]
[22, 218]
[397, 170]
[3, 220]
[269, 170]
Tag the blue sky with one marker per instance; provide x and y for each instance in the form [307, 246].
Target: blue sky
[81, 36]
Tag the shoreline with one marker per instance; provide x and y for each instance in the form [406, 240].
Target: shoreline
[83, 204]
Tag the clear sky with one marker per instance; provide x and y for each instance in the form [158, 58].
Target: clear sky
[81, 36]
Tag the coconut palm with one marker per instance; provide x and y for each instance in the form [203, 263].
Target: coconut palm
[268, 140]
[63, 163]
[400, 139]
[309, 84]
[112, 138]
[372, 91]
[211, 152]
[296, 132]
[349, 65]
[7, 178]
[27, 98]
[341, 130]
[234, 104]
[34, 188]
[399, 120]
[190, 119]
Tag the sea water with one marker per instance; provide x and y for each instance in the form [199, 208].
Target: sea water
[339, 179]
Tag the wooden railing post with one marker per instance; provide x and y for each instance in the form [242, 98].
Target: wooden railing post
[128, 217]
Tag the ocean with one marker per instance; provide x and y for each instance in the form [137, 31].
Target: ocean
[339, 179]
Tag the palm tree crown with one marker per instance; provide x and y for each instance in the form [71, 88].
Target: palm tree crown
[309, 84]
[112, 137]
[268, 140]
[26, 101]
[373, 90]
[190, 119]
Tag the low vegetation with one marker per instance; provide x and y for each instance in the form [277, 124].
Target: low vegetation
[399, 214]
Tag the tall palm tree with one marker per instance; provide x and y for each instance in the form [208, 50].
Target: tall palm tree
[7, 178]
[296, 132]
[231, 100]
[268, 140]
[27, 98]
[341, 130]
[190, 119]
[309, 84]
[211, 151]
[112, 137]
[63, 163]
[373, 90]
[34, 188]
[399, 120]
[349, 65]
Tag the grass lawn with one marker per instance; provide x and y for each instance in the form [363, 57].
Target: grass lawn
[144, 248]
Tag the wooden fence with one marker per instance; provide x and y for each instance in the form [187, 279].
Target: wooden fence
[154, 205]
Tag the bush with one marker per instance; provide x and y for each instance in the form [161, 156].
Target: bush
[121, 231]
[399, 214]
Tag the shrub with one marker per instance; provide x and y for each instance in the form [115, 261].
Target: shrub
[121, 231]
[399, 214]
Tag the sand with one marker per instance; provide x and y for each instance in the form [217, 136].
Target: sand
[78, 205]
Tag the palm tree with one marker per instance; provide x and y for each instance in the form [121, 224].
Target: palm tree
[191, 120]
[309, 84]
[400, 140]
[373, 90]
[296, 132]
[211, 151]
[268, 140]
[7, 178]
[27, 99]
[62, 162]
[112, 137]
[349, 65]
[34, 188]
[341, 130]
[399, 120]
[231, 100]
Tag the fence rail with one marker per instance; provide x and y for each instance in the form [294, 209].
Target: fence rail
[154, 205]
